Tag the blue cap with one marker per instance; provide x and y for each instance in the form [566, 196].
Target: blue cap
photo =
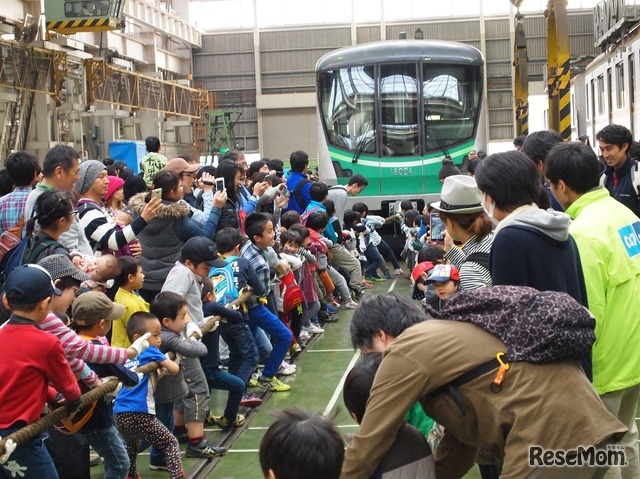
[32, 283]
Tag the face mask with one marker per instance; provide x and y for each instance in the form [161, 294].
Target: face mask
[490, 209]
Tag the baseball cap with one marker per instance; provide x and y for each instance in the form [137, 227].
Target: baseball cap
[420, 268]
[199, 249]
[60, 266]
[92, 306]
[32, 282]
[179, 166]
[444, 272]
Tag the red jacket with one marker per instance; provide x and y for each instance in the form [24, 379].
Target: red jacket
[31, 359]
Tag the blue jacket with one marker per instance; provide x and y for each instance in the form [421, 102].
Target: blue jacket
[292, 182]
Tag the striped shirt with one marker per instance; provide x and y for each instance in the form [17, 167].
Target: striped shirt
[472, 275]
[78, 350]
[102, 231]
[258, 260]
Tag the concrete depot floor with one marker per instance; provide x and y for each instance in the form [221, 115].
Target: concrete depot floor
[316, 387]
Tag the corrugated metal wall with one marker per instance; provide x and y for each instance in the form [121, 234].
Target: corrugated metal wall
[226, 65]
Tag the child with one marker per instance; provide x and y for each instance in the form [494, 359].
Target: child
[134, 410]
[35, 359]
[67, 279]
[410, 455]
[384, 249]
[218, 378]
[366, 247]
[427, 259]
[197, 256]
[130, 279]
[446, 282]
[299, 444]
[243, 353]
[171, 309]
[259, 229]
[291, 242]
[93, 314]
[410, 230]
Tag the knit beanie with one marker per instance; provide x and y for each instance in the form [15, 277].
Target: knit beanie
[448, 169]
[89, 172]
[115, 183]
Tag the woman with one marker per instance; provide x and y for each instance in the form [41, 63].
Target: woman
[54, 213]
[114, 197]
[236, 207]
[163, 238]
[465, 221]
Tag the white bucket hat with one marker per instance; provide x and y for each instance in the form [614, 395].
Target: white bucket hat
[460, 195]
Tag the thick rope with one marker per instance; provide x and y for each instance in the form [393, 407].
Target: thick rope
[41, 425]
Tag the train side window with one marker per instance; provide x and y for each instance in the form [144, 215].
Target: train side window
[600, 94]
[632, 81]
[587, 102]
[620, 85]
[592, 105]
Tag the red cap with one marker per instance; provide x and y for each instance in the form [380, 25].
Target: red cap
[420, 268]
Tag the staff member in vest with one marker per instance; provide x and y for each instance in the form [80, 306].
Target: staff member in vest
[534, 407]
[461, 211]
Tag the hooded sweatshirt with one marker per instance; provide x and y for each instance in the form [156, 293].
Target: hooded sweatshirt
[532, 247]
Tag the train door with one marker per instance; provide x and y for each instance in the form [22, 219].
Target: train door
[632, 90]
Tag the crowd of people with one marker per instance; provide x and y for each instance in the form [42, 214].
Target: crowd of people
[524, 283]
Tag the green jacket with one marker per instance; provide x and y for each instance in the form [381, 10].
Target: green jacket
[608, 237]
[151, 164]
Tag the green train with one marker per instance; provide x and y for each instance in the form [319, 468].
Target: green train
[392, 110]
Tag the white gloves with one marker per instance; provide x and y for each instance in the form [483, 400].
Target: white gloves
[9, 447]
[141, 343]
[192, 331]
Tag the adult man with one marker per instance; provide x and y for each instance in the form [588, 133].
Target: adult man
[21, 167]
[537, 146]
[339, 193]
[607, 236]
[534, 407]
[153, 162]
[59, 172]
[614, 142]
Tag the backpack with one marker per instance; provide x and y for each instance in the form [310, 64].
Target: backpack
[292, 296]
[225, 281]
[479, 258]
[536, 326]
[16, 257]
[297, 194]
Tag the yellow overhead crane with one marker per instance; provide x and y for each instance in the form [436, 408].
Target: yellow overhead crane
[521, 75]
[74, 16]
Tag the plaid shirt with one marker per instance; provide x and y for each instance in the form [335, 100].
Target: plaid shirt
[12, 207]
[258, 260]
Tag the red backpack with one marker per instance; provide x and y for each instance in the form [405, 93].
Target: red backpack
[292, 297]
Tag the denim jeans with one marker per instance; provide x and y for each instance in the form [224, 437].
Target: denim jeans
[30, 459]
[108, 444]
[226, 381]
[243, 353]
[388, 254]
[280, 337]
[374, 260]
[263, 345]
[164, 413]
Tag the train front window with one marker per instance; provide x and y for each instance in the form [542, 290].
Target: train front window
[347, 108]
[451, 97]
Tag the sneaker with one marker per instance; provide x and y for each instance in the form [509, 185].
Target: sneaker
[351, 304]
[334, 303]
[387, 275]
[274, 384]
[286, 369]
[304, 335]
[182, 438]
[253, 383]
[223, 423]
[330, 318]
[158, 465]
[94, 459]
[250, 400]
[204, 450]
[137, 476]
[399, 272]
[332, 309]
[356, 294]
[366, 284]
[294, 351]
[375, 279]
[313, 329]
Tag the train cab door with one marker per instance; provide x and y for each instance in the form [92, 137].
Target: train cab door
[399, 150]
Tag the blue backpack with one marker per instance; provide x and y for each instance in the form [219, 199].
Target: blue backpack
[16, 257]
[225, 281]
